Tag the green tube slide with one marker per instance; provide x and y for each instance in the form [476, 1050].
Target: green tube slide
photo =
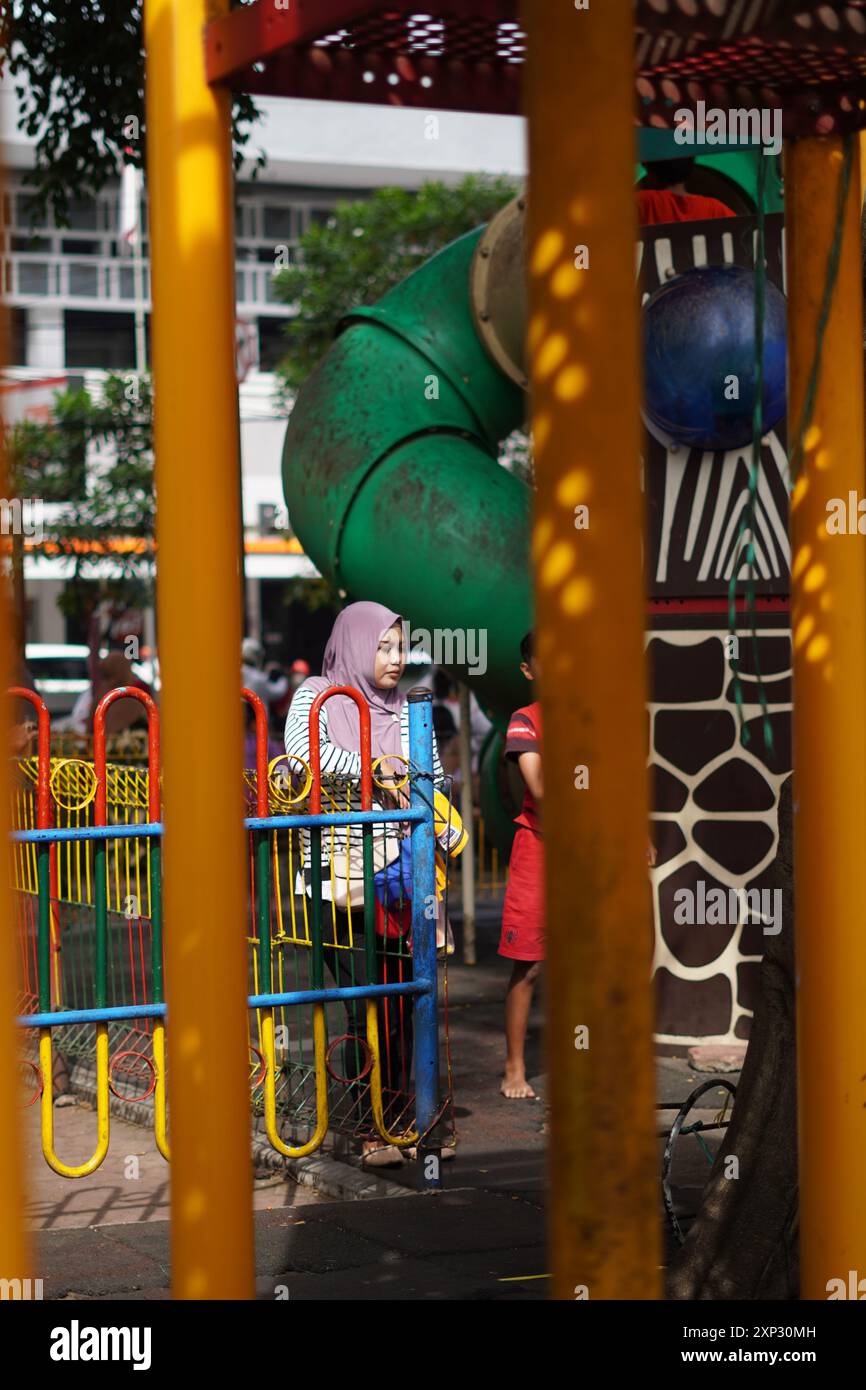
[391, 476]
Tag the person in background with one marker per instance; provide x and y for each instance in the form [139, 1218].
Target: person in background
[446, 698]
[24, 727]
[298, 672]
[662, 196]
[21, 738]
[112, 670]
[271, 684]
[522, 938]
[445, 730]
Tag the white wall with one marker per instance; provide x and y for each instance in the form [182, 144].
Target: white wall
[341, 144]
[357, 146]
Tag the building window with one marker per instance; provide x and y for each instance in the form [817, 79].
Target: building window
[272, 343]
[279, 223]
[31, 245]
[83, 215]
[27, 213]
[83, 280]
[33, 278]
[18, 337]
[80, 246]
[96, 339]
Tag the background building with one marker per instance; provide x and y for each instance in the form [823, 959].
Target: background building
[72, 290]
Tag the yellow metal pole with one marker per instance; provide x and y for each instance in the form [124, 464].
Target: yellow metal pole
[583, 346]
[198, 593]
[14, 1246]
[828, 619]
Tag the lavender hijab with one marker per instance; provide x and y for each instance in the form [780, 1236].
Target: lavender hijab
[350, 659]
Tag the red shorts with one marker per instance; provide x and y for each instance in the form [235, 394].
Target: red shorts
[523, 910]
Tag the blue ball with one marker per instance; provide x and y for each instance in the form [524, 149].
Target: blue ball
[699, 358]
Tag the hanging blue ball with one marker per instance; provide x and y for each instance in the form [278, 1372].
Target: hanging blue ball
[699, 358]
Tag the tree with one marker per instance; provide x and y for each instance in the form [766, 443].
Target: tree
[364, 249]
[94, 461]
[79, 78]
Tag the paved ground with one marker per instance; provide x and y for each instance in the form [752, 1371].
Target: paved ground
[130, 1186]
[481, 1238]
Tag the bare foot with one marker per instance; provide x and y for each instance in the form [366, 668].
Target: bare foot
[514, 1085]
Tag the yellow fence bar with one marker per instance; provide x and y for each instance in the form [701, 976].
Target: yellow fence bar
[198, 601]
[400, 1141]
[585, 373]
[160, 1098]
[828, 620]
[103, 1122]
[268, 1050]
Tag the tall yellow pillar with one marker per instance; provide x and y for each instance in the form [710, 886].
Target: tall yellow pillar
[828, 618]
[198, 595]
[14, 1246]
[590, 607]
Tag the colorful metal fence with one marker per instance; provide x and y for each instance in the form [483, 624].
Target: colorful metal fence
[336, 889]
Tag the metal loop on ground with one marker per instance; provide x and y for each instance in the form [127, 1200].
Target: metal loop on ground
[716, 1082]
[258, 1067]
[139, 1057]
[367, 1067]
[26, 1062]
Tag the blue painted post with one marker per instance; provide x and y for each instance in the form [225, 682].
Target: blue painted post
[424, 932]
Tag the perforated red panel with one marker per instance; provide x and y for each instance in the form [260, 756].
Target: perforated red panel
[469, 39]
[806, 56]
[809, 60]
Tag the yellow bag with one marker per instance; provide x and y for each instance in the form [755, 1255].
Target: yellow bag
[448, 824]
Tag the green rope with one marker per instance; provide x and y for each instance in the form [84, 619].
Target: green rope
[748, 520]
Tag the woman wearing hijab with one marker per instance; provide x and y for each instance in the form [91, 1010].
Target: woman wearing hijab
[365, 651]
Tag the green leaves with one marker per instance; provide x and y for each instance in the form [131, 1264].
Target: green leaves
[112, 499]
[367, 247]
[78, 70]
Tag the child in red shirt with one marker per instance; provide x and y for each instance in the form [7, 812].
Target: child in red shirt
[663, 197]
[522, 938]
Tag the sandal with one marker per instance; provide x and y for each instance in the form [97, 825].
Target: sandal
[383, 1156]
[447, 1152]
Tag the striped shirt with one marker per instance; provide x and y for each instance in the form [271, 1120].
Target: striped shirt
[341, 781]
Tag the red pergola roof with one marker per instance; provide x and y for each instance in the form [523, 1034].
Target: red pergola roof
[806, 56]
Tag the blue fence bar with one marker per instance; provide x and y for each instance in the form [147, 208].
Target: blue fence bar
[149, 829]
[108, 1014]
[254, 1001]
[424, 916]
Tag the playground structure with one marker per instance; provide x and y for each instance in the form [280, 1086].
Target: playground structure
[412, 401]
[89, 896]
[583, 348]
